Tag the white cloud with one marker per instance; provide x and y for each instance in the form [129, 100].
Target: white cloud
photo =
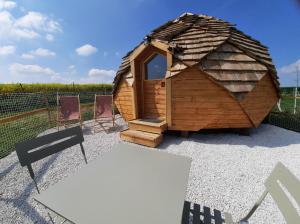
[6, 50]
[7, 4]
[60, 79]
[99, 76]
[71, 70]
[27, 56]
[8, 30]
[86, 50]
[287, 74]
[33, 73]
[38, 21]
[53, 26]
[95, 72]
[17, 68]
[40, 52]
[33, 20]
[49, 37]
[291, 68]
[23, 9]
[24, 33]
[29, 26]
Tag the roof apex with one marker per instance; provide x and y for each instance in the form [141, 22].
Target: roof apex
[197, 35]
[186, 14]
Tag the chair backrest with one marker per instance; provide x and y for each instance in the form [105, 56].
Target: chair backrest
[69, 108]
[30, 151]
[278, 184]
[103, 106]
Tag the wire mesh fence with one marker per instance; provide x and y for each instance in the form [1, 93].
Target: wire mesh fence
[26, 115]
[285, 120]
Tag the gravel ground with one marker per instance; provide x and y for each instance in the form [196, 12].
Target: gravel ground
[227, 173]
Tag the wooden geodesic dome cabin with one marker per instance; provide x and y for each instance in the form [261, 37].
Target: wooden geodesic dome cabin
[195, 72]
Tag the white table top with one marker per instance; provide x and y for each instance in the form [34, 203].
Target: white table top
[129, 185]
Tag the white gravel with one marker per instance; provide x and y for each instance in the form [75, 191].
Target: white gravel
[227, 173]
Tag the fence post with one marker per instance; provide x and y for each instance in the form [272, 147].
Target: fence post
[295, 101]
[296, 90]
[48, 109]
[21, 87]
[57, 111]
[279, 105]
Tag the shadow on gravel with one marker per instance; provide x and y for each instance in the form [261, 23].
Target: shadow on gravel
[22, 202]
[7, 170]
[194, 214]
[268, 136]
[88, 128]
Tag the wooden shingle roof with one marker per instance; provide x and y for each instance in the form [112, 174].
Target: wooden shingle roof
[232, 58]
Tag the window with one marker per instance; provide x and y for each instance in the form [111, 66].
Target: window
[156, 67]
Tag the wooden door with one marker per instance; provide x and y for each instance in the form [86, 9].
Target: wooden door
[154, 86]
[154, 98]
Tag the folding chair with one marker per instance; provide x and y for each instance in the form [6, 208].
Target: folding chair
[103, 109]
[279, 179]
[32, 150]
[68, 109]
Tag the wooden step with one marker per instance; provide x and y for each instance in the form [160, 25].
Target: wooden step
[141, 137]
[148, 125]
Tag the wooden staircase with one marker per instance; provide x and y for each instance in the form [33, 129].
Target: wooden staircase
[146, 132]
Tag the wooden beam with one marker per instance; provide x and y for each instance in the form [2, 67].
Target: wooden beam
[160, 45]
[169, 91]
[142, 47]
[33, 112]
[169, 60]
[134, 94]
[137, 51]
[169, 102]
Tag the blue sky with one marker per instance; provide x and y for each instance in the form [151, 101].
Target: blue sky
[83, 41]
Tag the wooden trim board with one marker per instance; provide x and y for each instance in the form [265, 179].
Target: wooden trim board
[22, 115]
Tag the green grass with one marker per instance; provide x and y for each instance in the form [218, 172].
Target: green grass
[16, 103]
[287, 105]
[19, 130]
[32, 98]
[53, 87]
[287, 91]
[27, 128]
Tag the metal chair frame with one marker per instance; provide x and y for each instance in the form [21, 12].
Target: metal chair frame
[60, 121]
[279, 179]
[99, 119]
[32, 150]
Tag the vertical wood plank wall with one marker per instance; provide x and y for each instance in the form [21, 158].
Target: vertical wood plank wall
[124, 98]
[154, 99]
[198, 103]
[261, 100]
